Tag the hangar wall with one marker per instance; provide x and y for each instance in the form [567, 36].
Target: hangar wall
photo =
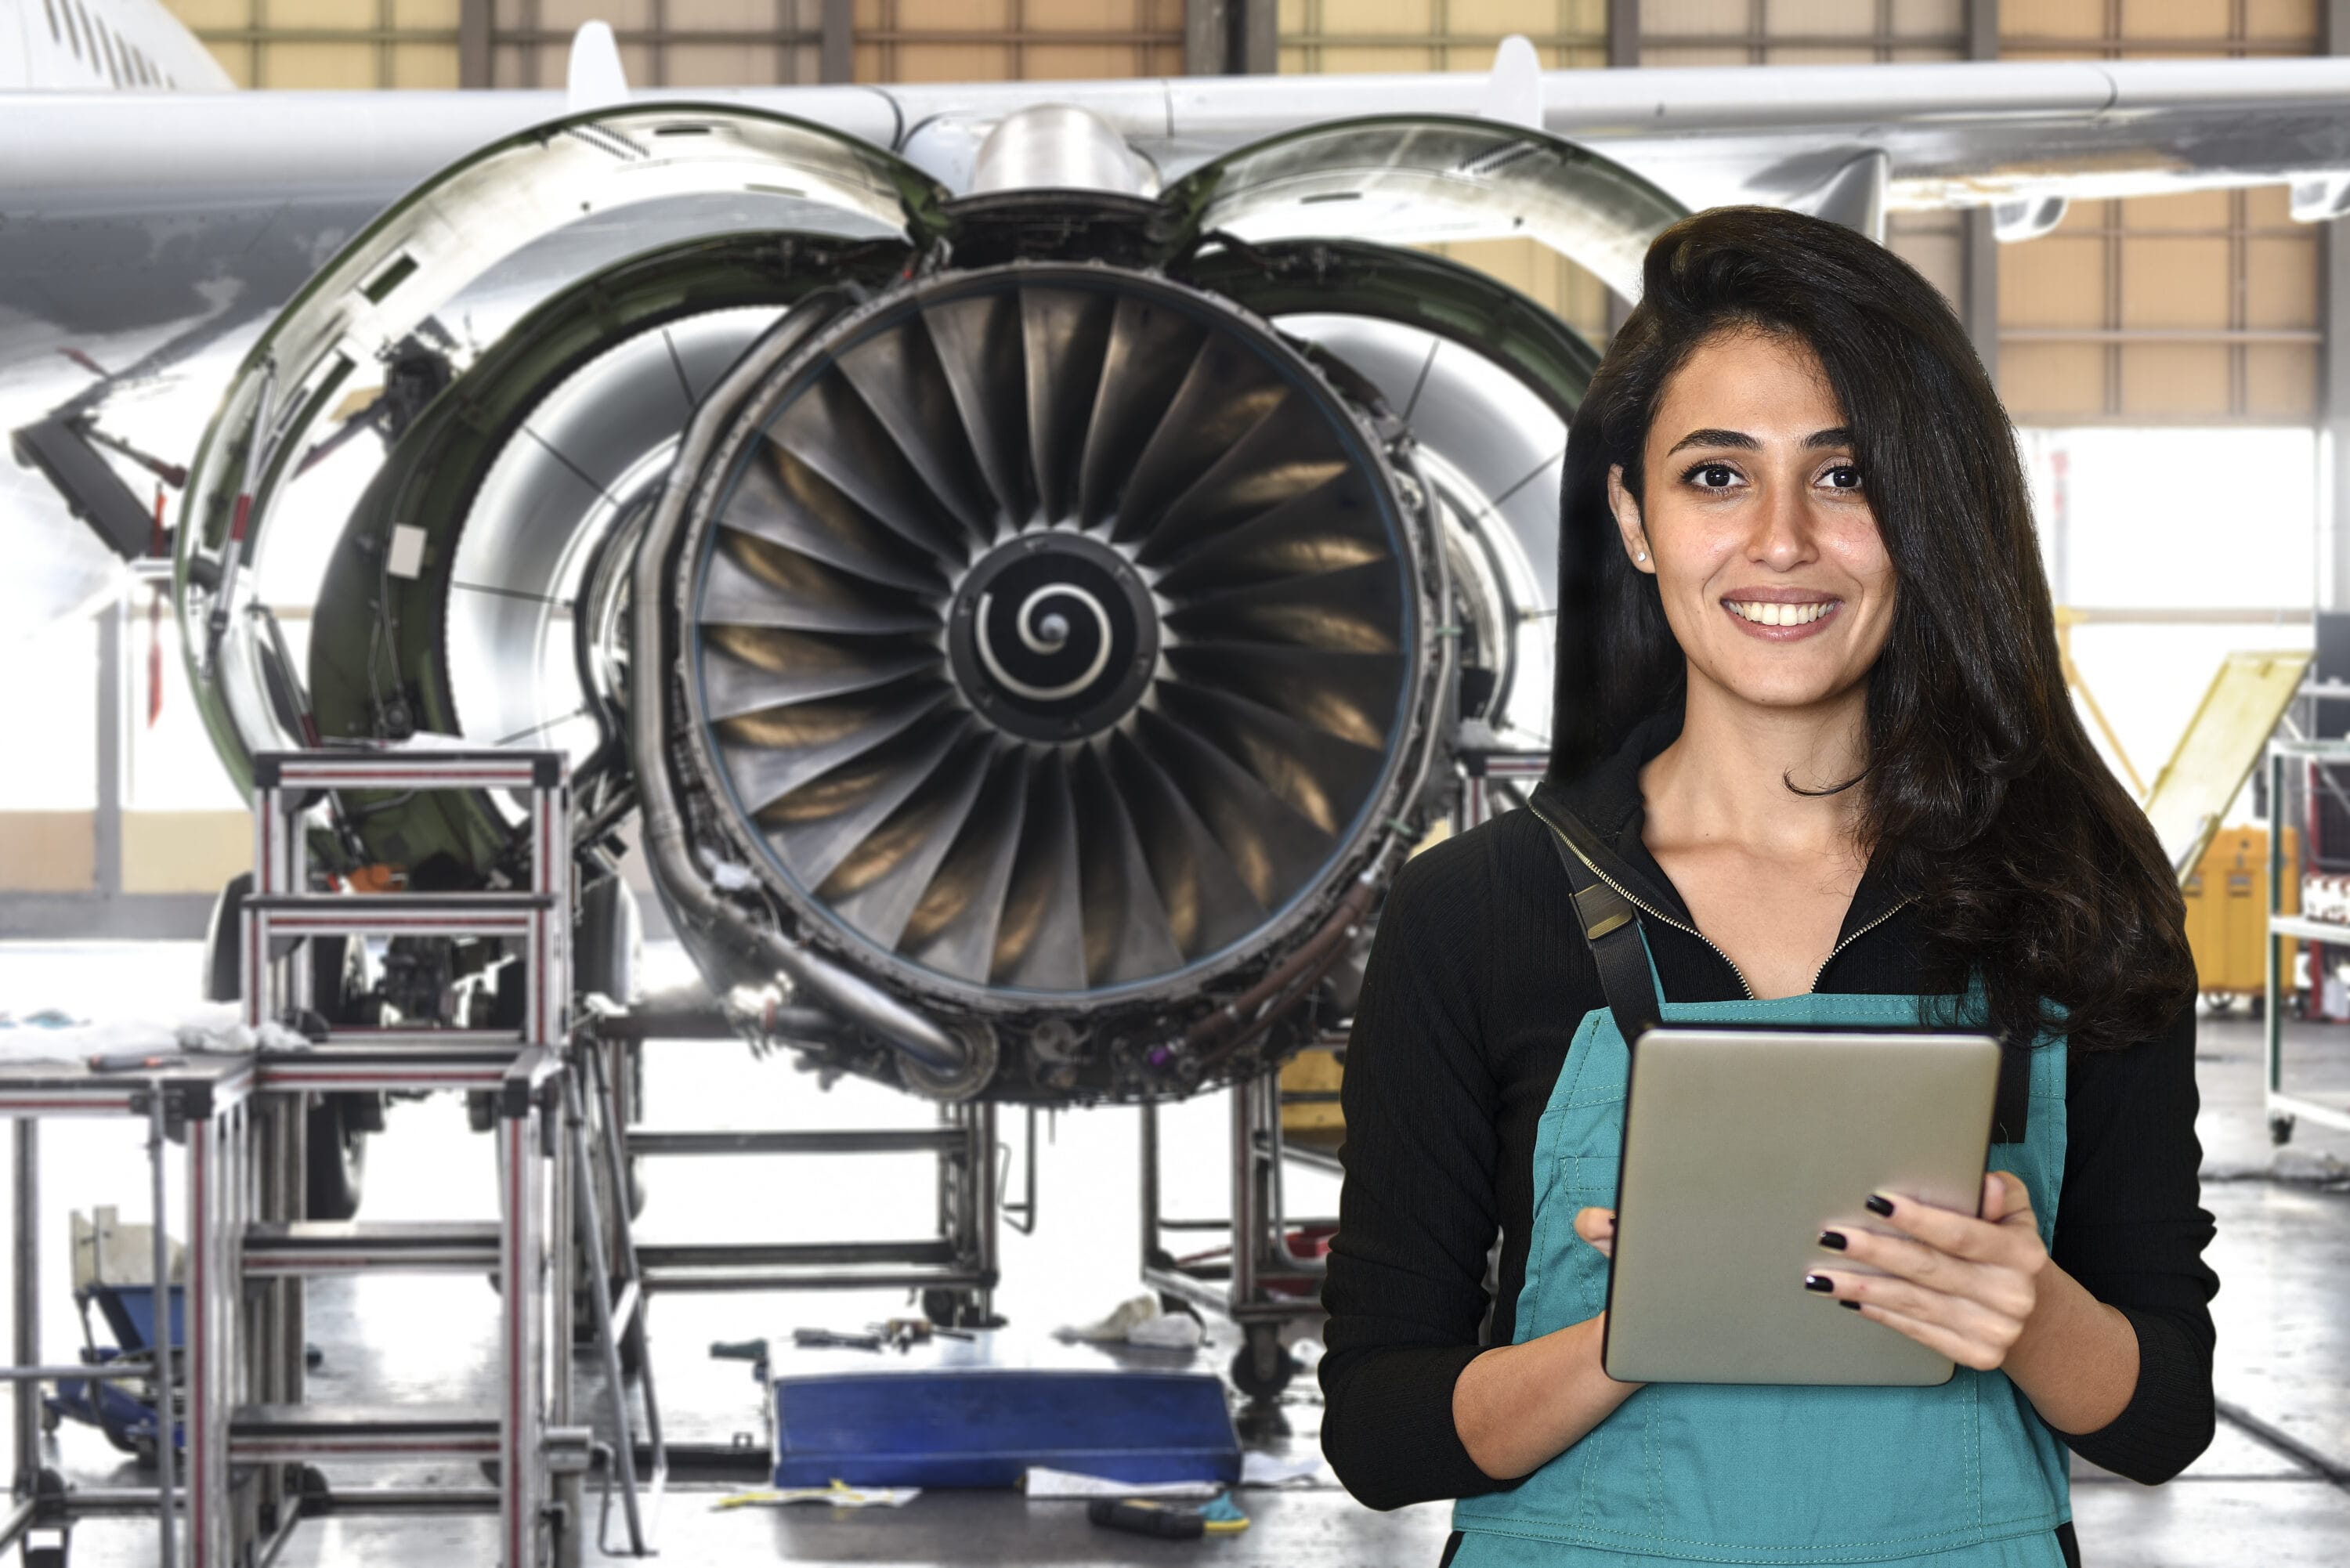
[2204, 310]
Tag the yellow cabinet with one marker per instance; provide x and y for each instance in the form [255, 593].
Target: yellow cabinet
[2228, 906]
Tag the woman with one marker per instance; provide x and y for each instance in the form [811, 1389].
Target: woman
[1812, 720]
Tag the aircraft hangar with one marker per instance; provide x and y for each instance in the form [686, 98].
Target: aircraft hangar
[716, 700]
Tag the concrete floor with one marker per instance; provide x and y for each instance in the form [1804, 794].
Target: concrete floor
[2261, 1494]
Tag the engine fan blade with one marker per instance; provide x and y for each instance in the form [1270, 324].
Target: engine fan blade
[751, 668]
[1126, 929]
[1352, 696]
[898, 375]
[818, 825]
[979, 351]
[1208, 904]
[829, 428]
[1288, 454]
[1328, 529]
[754, 583]
[1151, 348]
[1323, 778]
[1350, 612]
[770, 755]
[1040, 937]
[953, 928]
[784, 500]
[1226, 393]
[1273, 848]
[877, 887]
[1066, 332]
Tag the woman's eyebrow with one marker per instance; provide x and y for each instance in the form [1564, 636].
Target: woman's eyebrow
[1710, 437]
[1839, 435]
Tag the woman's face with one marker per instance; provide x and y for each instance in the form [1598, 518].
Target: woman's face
[1757, 526]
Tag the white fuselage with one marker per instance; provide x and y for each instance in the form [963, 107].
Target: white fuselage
[102, 45]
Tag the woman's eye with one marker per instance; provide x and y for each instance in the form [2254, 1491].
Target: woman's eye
[1843, 476]
[1714, 475]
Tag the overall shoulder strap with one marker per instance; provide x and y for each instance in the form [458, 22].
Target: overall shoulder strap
[2010, 1116]
[1611, 927]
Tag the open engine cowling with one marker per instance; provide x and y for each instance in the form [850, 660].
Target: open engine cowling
[1030, 628]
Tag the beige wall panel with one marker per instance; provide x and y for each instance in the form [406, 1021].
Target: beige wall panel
[339, 14]
[1534, 17]
[1674, 16]
[317, 66]
[1935, 245]
[51, 851]
[2175, 283]
[1859, 55]
[635, 64]
[1409, 18]
[719, 65]
[2281, 381]
[721, 16]
[951, 15]
[1735, 56]
[625, 15]
[509, 67]
[420, 15]
[184, 851]
[198, 13]
[2270, 207]
[1102, 15]
[1078, 62]
[2176, 380]
[2176, 18]
[1294, 61]
[2083, 19]
[1912, 17]
[2058, 281]
[2296, 20]
[1289, 18]
[952, 62]
[2190, 210]
[430, 66]
[1849, 18]
[2051, 383]
[2281, 287]
[1401, 59]
[1921, 55]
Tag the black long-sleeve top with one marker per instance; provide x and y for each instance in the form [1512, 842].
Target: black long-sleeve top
[1478, 979]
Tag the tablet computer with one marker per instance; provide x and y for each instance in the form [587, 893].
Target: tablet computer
[1739, 1147]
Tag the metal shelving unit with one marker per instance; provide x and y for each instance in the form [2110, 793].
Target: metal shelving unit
[2284, 1110]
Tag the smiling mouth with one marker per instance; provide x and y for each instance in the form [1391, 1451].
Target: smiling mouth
[1765, 613]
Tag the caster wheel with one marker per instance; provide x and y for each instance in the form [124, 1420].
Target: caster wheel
[1264, 1366]
[2280, 1129]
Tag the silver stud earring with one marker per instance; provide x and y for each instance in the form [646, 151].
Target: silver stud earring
[1641, 556]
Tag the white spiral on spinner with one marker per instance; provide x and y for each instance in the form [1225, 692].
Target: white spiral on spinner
[1038, 636]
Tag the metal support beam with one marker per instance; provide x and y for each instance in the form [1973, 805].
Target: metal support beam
[838, 54]
[1256, 37]
[474, 68]
[1623, 33]
[2333, 585]
[1978, 278]
[109, 751]
[1207, 31]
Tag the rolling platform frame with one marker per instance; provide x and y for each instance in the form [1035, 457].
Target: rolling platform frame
[1259, 1281]
[250, 1433]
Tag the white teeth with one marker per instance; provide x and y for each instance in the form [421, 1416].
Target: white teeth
[1767, 613]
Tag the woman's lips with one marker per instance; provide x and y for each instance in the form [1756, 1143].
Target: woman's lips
[1776, 620]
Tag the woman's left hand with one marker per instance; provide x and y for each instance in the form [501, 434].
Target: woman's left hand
[1954, 1284]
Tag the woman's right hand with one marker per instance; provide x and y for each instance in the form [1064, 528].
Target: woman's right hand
[1517, 1406]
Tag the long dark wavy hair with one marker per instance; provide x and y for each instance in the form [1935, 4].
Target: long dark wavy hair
[1981, 793]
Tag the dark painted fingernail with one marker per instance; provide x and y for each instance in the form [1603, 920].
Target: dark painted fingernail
[1849, 1306]
[1832, 1240]
[1819, 1282]
[1879, 1204]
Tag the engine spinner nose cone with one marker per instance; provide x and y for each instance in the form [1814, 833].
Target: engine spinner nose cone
[1053, 636]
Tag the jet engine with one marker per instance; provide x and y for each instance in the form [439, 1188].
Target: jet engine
[1024, 630]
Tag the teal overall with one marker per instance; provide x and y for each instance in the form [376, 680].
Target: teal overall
[1963, 1475]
